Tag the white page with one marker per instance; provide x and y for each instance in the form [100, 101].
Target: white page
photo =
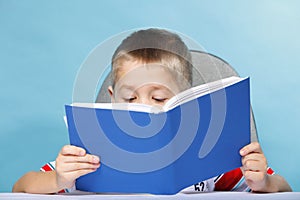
[122, 106]
[179, 99]
[199, 91]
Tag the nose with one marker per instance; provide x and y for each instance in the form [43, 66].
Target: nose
[144, 101]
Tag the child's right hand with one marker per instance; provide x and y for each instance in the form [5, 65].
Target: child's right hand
[73, 162]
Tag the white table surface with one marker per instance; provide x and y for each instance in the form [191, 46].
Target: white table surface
[180, 196]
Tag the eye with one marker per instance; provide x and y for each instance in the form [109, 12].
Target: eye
[130, 99]
[160, 100]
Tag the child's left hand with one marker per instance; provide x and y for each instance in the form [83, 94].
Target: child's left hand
[254, 166]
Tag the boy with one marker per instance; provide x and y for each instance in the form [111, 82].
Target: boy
[149, 67]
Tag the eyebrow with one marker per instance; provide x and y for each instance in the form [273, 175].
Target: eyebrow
[129, 87]
[155, 87]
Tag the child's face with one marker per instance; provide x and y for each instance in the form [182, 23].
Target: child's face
[150, 84]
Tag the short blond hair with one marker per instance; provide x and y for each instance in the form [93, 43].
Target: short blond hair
[155, 46]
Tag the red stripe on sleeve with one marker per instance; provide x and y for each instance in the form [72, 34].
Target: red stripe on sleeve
[270, 171]
[229, 180]
[47, 168]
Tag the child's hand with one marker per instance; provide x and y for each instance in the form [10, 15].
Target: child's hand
[73, 162]
[254, 166]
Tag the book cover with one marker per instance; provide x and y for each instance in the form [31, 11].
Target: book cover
[163, 153]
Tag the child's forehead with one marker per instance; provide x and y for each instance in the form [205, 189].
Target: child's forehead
[129, 65]
[138, 68]
[136, 74]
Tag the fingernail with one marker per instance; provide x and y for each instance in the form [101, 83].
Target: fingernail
[96, 159]
[242, 152]
[82, 153]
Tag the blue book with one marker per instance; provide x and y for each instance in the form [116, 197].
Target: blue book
[162, 150]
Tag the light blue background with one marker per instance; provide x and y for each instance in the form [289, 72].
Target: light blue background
[43, 43]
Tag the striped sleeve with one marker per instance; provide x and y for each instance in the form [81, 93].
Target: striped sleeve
[50, 166]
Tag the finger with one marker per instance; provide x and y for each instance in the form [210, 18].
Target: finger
[72, 150]
[254, 177]
[254, 156]
[253, 147]
[79, 173]
[88, 158]
[255, 166]
[70, 167]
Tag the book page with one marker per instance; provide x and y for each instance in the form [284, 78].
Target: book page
[199, 91]
[178, 99]
[122, 106]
